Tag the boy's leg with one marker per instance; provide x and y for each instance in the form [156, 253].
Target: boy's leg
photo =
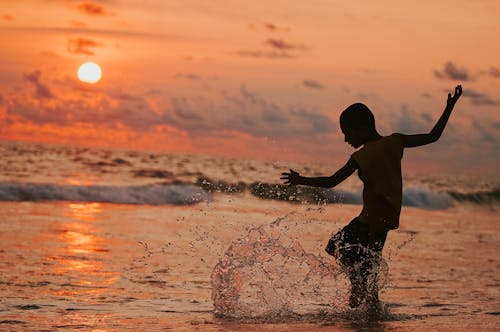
[358, 286]
[348, 246]
[371, 267]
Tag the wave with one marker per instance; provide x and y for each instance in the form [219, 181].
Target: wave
[427, 199]
[152, 194]
[415, 197]
[421, 198]
[480, 197]
[183, 193]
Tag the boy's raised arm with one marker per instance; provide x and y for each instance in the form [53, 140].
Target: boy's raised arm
[423, 139]
[294, 178]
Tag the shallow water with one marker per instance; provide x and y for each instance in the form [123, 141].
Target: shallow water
[116, 240]
[111, 267]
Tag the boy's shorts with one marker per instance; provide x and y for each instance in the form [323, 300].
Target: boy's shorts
[350, 244]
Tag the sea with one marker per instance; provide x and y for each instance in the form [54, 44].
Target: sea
[95, 239]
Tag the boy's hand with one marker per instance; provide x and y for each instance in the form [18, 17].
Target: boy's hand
[453, 99]
[291, 178]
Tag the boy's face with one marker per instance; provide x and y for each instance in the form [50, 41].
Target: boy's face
[354, 136]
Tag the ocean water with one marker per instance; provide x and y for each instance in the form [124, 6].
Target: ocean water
[117, 240]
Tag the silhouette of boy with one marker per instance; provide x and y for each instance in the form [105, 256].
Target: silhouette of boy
[358, 246]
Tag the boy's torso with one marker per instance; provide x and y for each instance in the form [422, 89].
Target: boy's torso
[379, 167]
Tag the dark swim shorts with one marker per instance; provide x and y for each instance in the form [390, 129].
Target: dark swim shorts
[350, 244]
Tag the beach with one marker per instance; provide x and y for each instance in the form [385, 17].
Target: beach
[78, 253]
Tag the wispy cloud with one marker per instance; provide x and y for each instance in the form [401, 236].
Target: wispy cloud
[7, 17]
[92, 31]
[480, 99]
[82, 46]
[275, 49]
[188, 76]
[451, 71]
[111, 110]
[313, 84]
[41, 90]
[246, 112]
[92, 8]
[271, 27]
[408, 121]
[265, 54]
[283, 45]
[495, 72]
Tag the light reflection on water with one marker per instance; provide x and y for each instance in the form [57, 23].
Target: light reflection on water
[82, 257]
[80, 266]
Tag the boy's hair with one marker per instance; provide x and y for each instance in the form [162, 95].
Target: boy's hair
[357, 116]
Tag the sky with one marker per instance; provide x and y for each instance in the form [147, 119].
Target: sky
[254, 79]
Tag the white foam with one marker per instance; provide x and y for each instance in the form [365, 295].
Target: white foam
[154, 194]
[426, 199]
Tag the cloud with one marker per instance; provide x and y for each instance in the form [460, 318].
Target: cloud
[265, 54]
[100, 110]
[274, 116]
[274, 28]
[370, 71]
[91, 8]
[488, 132]
[313, 84]
[7, 17]
[316, 122]
[82, 46]
[78, 24]
[95, 31]
[243, 111]
[116, 108]
[495, 72]
[246, 112]
[188, 76]
[280, 44]
[480, 99]
[41, 90]
[411, 122]
[451, 72]
[275, 49]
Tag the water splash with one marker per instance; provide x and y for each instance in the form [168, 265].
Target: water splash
[267, 276]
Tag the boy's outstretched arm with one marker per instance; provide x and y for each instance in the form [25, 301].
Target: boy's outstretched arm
[294, 178]
[423, 139]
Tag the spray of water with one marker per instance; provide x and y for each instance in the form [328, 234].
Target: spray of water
[267, 276]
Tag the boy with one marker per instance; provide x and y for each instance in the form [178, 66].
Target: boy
[358, 246]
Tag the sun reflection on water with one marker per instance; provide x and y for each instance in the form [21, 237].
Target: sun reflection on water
[82, 258]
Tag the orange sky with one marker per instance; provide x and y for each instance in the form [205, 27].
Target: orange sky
[260, 79]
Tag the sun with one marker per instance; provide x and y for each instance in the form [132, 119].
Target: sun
[89, 72]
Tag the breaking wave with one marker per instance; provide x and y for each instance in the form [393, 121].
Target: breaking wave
[182, 193]
[152, 194]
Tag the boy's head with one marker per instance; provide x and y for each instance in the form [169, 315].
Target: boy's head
[358, 124]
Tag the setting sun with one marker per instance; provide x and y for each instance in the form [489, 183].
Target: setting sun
[89, 72]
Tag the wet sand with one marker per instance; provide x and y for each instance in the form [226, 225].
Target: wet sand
[110, 267]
